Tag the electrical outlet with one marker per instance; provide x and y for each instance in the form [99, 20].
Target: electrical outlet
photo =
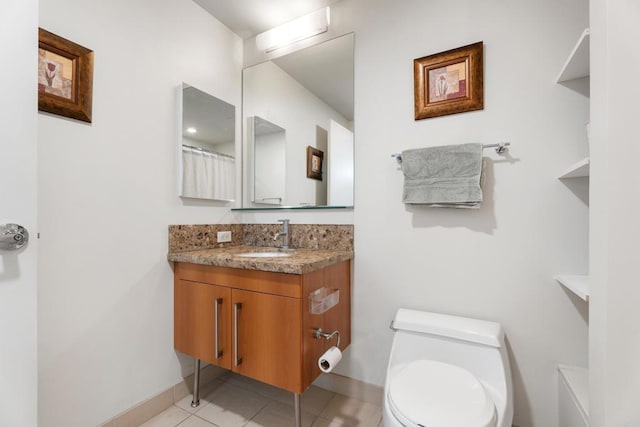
[224, 236]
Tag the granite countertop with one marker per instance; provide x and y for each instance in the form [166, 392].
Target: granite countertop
[301, 260]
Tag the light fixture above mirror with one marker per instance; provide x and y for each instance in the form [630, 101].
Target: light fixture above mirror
[296, 30]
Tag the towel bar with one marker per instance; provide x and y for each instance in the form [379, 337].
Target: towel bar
[500, 149]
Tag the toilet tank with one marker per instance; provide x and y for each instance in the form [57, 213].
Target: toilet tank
[476, 345]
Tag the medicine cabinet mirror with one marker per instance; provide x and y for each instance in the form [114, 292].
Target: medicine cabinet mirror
[207, 146]
[299, 100]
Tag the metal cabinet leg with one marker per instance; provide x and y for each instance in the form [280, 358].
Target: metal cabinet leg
[296, 408]
[196, 385]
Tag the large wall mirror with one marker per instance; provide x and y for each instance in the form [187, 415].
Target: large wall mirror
[207, 146]
[293, 105]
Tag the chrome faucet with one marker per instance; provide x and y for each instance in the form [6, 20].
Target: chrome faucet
[284, 233]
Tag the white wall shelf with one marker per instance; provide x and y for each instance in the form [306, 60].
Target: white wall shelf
[573, 382]
[577, 65]
[576, 380]
[577, 284]
[578, 170]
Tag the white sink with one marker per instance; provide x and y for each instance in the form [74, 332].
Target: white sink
[263, 255]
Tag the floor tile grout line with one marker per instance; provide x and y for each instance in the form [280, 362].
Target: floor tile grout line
[205, 420]
[256, 414]
[269, 399]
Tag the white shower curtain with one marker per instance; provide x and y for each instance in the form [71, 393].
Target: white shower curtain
[208, 175]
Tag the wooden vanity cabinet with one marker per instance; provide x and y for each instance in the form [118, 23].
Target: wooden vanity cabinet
[268, 337]
[274, 332]
[202, 317]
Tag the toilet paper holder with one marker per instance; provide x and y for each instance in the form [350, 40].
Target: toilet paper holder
[318, 333]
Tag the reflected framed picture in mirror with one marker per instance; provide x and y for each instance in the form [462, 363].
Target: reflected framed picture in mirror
[315, 158]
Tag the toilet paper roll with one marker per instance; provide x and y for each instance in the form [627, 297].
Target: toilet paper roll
[329, 359]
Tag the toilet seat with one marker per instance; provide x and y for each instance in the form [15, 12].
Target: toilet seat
[436, 394]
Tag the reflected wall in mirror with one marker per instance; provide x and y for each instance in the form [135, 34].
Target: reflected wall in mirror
[207, 146]
[269, 148]
[307, 96]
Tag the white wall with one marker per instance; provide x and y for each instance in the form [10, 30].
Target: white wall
[274, 95]
[496, 263]
[18, 140]
[107, 195]
[614, 316]
[105, 289]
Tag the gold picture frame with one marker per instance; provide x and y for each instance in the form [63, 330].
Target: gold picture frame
[315, 158]
[449, 82]
[65, 77]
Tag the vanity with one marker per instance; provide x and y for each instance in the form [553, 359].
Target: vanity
[263, 312]
[241, 304]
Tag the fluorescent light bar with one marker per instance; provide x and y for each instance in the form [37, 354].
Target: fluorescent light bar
[293, 31]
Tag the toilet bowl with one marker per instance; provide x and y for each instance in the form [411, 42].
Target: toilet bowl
[447, 371]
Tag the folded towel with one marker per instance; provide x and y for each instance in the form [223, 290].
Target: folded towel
[446, 176]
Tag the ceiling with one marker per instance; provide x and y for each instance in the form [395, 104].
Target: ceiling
[247, 18]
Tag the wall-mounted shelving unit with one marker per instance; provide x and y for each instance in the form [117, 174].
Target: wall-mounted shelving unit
[578, 284]
[573, 383]
[578, 170]
[574, 387]
[577, 65]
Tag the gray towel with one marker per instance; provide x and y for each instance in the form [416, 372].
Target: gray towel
[446, 176]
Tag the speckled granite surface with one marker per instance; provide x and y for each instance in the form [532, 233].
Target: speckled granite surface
[201, 236]
[313, 246]
[300, 261]
[302, 236]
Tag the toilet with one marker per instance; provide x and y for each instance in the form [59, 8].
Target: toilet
[447, 371]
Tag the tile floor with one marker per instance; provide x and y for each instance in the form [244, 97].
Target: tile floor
[234, 401]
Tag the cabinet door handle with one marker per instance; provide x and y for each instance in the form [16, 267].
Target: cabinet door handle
[216, 313]
[236, 311]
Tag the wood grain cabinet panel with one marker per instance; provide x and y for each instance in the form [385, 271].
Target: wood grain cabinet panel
[196, 327]
[274, 334]
[268, 335]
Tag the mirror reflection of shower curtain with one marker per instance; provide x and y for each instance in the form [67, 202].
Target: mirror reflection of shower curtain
[208, 175]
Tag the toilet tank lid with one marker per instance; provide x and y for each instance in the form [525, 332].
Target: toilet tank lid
[462, 328]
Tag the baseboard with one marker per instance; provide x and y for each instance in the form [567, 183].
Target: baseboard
[151, 407]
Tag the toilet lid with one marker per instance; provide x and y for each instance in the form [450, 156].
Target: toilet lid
[436, 394]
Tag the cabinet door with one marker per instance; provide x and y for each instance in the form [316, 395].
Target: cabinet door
[202, 327]
[268, 338]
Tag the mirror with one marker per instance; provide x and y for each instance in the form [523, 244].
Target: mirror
[293, 105]
[269, 148]
[207, 146]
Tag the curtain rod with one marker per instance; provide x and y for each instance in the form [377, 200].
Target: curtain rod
[204, 150]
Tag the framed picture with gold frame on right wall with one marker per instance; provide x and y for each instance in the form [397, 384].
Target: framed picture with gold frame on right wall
[449, 82]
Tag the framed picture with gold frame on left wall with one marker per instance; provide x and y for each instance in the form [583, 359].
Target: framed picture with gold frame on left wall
[65, 77]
